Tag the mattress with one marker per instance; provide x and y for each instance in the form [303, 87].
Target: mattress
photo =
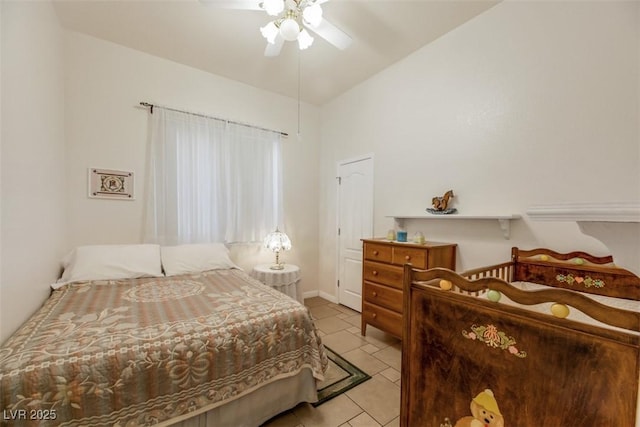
[153, 350]
[574, 314]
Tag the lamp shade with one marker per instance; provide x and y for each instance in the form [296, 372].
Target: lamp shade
[277, 241]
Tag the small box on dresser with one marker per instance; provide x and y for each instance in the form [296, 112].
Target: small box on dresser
[382, 271]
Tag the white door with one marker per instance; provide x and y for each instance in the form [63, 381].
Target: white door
[355, 221]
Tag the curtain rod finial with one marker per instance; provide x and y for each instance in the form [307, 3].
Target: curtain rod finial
[146, 104]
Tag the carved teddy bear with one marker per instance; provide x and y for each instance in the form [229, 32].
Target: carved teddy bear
[485, 411]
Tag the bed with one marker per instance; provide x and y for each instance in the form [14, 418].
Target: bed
[193, 341]
[481, 348]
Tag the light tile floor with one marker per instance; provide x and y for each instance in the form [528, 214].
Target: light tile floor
[374, 403]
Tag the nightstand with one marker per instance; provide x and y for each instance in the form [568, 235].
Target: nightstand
[286, 280]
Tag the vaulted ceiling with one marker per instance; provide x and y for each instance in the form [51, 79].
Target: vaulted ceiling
[228, 42]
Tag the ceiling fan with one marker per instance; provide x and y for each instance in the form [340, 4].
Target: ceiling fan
[292, 19]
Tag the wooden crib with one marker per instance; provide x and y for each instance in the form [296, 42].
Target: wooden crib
[479, 349]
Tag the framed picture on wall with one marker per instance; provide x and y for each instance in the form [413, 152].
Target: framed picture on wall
[110, 184]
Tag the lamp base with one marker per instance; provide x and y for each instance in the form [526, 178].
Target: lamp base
[278, 265]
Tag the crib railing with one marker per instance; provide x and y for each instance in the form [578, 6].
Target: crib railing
[502, 271]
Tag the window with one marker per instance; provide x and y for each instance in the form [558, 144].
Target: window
[211, 180]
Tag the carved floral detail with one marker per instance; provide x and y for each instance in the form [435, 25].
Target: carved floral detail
[587, 281]
[492, 337]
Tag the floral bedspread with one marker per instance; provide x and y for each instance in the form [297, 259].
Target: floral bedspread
[142, 351]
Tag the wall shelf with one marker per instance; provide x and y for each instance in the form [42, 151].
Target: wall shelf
[605, 212]
[503, 220]
[615, 224]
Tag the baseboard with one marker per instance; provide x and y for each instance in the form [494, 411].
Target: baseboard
[310, 294]
[328, 297]
[324, 295]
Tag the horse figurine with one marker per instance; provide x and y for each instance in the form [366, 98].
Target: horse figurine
[441, 203]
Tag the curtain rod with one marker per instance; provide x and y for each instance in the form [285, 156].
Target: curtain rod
[151, 107]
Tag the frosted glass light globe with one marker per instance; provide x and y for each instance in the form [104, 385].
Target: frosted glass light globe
[313, 15]
[304, 39]
[273, 7]
[269, 32]
[289, 29]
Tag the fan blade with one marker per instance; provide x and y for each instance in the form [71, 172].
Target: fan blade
[234, 4]
[332, 34]
[275, 48]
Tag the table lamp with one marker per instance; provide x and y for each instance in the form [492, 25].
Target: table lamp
[277, 241]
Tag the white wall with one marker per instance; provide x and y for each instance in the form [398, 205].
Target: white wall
[33, 226]
[106, 128]
[528, 103]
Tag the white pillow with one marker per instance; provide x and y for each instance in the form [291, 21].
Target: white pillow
[195, 258]
[106, 262]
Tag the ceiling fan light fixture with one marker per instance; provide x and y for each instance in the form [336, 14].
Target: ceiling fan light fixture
[289, 29]
[312, 15]
[304, 40]
[273, 7]
[270, 32]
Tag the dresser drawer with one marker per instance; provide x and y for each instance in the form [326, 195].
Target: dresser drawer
[382, 318]
[380, 253]
[417, 257]
[385, 296]
[383, 273]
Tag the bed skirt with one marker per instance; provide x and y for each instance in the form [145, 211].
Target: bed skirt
[258, 407]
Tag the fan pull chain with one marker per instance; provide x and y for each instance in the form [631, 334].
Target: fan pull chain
[299, 94]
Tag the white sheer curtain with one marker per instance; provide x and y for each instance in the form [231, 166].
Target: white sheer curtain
[211, 181]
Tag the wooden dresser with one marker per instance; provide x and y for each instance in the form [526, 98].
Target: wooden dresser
[382, 271]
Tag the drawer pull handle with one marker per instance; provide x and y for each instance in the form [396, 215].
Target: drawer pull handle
[408, 257]
[375, 273]
[375, 252]
[374, 315]
[375, 294]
